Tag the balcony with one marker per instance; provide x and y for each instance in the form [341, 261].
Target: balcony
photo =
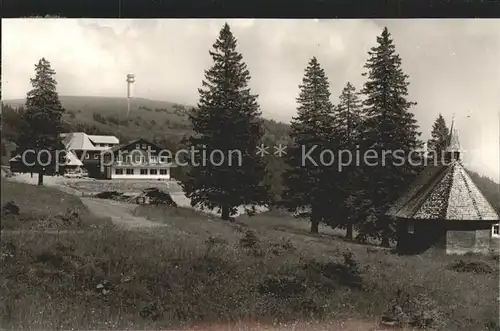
[142, 163]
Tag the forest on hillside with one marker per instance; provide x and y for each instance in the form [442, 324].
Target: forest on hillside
[488, 187]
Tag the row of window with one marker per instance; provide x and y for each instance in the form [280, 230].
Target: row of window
[142, 159]
[137, 159]
[104, 145]
[142, 171]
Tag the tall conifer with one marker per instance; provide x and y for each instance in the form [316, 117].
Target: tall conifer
[227, 120]
[42, 121]
[439, 136]
[348, 120]
[390, 126]
[306, 181]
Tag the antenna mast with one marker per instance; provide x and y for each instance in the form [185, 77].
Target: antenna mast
[130, 81]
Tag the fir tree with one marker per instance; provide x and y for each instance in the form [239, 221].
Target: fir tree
[389, 127]
[227, 119]
[42, 123]
[306, 180]
[439, 137]
[348, 120]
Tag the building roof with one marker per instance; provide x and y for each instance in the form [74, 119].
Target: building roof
[444, 191]
[16, 158]
[104, 139]
[72, 160]
[135, 141]
[82, 141]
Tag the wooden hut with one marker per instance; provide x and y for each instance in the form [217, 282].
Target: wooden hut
[444, 209]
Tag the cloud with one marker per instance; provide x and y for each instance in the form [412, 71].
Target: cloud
[453, 64]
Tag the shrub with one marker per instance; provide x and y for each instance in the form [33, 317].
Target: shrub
[282, 286]
[477, 267]
[418, 310]
[328, 276]
[99, 118]
[249, 240]
[278, 248]
[10, 208]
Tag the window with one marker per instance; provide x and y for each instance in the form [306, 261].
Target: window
[144, 146]
[495, 231]
[129, 158]
[163, 172]
[87, 156]
[153, 172]
[411, 227]
[154, 159]
[137, 159]
[130, 171]
[163, 159]
[144, 171]
[118, 171]
[137, 146]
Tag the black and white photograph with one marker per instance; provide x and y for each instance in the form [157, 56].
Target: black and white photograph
[250, 174]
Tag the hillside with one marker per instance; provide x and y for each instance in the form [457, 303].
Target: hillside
[150, 119]
[488, 187]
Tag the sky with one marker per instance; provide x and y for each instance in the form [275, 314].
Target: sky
[453, 65]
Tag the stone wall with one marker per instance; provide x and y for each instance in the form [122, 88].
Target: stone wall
[462, 242]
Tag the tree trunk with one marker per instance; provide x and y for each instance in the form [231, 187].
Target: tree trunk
[385, 241]
[314, 221]
[349, 231]
[225, 213]
[314, 225]
[40, 178]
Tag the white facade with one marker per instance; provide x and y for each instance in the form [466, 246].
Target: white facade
[140, 172]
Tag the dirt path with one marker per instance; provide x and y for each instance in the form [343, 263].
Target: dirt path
[120, 213]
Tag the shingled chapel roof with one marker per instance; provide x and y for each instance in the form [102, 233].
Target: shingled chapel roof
[444, 191]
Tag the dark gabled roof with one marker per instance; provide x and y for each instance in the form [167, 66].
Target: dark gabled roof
[135, 141]
[444, 191]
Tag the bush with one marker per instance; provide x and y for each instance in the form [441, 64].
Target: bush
[249, 240]
[279, 248]
[477, 267]
[10, 208]
[328, 276]
[418, 310]
[98, 118]
[282, 286]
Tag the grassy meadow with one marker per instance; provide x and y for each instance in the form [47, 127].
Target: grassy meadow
[45, 208]
[199, 269]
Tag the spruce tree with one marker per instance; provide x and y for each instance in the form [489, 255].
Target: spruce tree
[439, 137]
[306, 179]
[42, 123]
[389, 126]
[348, 120]
[228, 120]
